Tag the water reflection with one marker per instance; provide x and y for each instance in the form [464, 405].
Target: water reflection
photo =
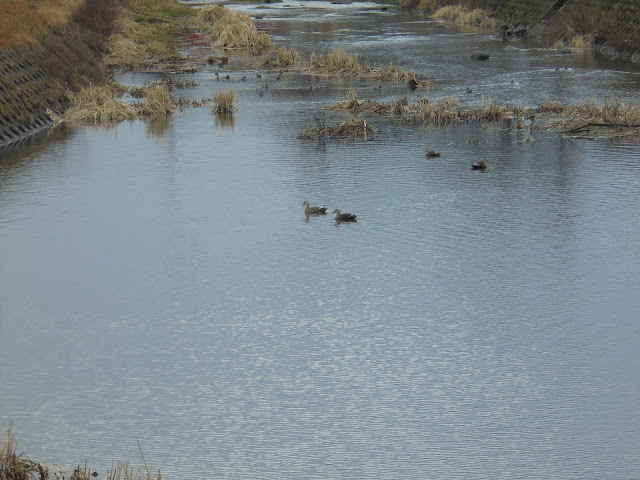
[225, 120]
[157, 125]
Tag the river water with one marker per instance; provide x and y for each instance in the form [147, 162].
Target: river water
[159, 282]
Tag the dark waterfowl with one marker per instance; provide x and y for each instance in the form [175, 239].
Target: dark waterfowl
[432, 154]
[344, 217]
[313, 210]
[480, 165]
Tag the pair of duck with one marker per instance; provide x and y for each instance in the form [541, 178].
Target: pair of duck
[340, 217]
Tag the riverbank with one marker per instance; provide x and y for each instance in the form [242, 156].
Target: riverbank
[51, 50]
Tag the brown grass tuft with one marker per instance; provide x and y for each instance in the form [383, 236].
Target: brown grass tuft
[229, 29]
[157, 102]
[460, 14]
[223, 101]
[98, 104]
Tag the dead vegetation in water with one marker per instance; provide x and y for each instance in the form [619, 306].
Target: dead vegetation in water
[588, 120]
[614, 118]
[462, 15]
[102, 104]
[446, 111]
[354, 129]
[223, 101]
[339, 62]
[236, 30]
[14, 466]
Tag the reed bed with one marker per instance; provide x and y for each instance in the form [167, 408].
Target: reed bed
[234, 30]
[223, 101]
[462, 15]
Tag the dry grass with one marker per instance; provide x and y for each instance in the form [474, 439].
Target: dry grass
[286, 57]
[613, 112]
[339, 62]
[147, 33]
[98, 104]
[446, 111]
[157, 102]
[336, 62]
[223, 101]
[12, 465]
[229, 29]
[462, 15]
[351, 130]
[102, 104]
[24, 22]
[427, 5]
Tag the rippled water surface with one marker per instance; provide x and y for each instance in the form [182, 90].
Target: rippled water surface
[159, 281]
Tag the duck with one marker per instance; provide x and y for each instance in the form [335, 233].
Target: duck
[313, 210]
[480, 165]
[344, 217]
[432, 154]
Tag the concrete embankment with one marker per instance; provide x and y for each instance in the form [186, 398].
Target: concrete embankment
[27, 93]
[36, 79]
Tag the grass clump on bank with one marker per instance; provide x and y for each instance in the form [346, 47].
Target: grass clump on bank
[102, 104]
[223, 101]
[462, 15]
[227, 29]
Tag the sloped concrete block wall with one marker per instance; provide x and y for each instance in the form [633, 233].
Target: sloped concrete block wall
[26, 94]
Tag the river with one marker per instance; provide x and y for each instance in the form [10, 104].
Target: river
[159, 282]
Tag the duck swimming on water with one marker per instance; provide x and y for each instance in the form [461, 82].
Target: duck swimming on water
[480, 165]
[344, 217]
[313, 210]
